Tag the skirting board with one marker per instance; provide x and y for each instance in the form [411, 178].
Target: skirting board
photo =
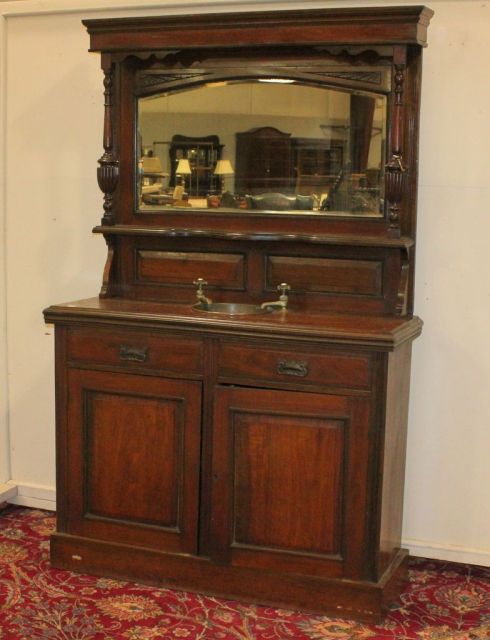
[35, 496]
[41, 497]
[449, 552]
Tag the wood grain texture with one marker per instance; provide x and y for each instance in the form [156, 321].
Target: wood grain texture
[226, 271]
[108, 347]
[324, 275]
[254, 457]
[360, 26]
[322, 431]
[382, 332]
[281, 500]
[133, 448]
[392, 472]
[341, 278]
[356, 599]
[332, 367]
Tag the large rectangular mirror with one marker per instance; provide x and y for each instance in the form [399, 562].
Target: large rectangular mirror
[268, 144]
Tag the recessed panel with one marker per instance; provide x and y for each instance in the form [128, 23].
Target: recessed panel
[288, 482]
[326, 275]
[134, 458]
[183, 267]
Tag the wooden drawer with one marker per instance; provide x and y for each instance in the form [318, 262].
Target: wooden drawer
[134, 349]
[302, 366]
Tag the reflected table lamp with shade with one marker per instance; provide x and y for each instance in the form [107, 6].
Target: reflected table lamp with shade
[223, 168]
[152, 174]
[183, 169]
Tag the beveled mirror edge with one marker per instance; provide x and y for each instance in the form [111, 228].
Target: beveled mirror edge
[179, 82]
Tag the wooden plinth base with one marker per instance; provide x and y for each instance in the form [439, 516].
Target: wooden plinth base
[367, 601]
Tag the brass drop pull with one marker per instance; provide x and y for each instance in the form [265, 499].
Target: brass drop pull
[293, 368]
[133, 354]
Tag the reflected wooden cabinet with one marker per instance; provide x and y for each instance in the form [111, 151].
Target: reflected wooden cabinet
[202, 154]
[257, 456]
[263, 161]
[317, 164]
[271, 160]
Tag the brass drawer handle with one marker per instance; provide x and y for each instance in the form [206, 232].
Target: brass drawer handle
[293, 368]
[133, 354]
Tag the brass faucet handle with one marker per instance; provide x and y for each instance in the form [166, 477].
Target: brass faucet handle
[200, 282]
[283, 288]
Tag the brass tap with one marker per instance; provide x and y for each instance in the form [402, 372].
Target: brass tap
[201, 298]
[282, 303]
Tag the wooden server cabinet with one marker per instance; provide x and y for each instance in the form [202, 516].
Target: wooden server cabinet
[214, 435]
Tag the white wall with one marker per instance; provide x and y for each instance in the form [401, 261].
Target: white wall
[53, 139]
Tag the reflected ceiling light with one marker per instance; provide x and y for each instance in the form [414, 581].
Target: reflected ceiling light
[277, 80]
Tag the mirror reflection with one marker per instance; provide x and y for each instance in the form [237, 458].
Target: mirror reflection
[268, 145]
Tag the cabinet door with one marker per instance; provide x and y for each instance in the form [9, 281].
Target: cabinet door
[290, 481]
[131, 465]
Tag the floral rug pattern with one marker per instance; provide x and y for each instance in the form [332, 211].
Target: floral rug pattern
[443, 601]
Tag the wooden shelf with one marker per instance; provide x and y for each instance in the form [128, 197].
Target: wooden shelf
[328, 239]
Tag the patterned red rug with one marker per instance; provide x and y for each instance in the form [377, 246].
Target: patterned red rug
[443, 601]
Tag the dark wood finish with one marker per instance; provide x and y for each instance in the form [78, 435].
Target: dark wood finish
[392, 471]
[324, 275]
[378, 25]
[202, 153]
[316, 163]
[337, 278]
[267, 505]
[183, 267]
[263, 161]
[337, 368]
[384, 333]
[256, 457]
[357, 599]
[133, 455]
[134, 350]
[108, 170]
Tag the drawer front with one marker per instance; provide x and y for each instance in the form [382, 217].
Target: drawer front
[305, 366]
[134, 349]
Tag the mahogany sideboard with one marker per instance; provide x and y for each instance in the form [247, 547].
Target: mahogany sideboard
[213, 435]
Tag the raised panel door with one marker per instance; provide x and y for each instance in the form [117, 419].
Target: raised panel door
[290, 473]
[133, 459]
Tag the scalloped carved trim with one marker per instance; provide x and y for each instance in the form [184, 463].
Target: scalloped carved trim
[370, 77]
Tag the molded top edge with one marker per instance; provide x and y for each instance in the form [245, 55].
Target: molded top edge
[406, 24]
[418, 13]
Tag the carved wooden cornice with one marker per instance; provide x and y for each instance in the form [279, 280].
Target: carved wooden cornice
[395, 25]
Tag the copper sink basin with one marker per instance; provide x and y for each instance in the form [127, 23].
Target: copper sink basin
[231, 308]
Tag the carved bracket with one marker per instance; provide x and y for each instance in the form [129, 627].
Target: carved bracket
[402, 294]
[108, 171]
[108, 274]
